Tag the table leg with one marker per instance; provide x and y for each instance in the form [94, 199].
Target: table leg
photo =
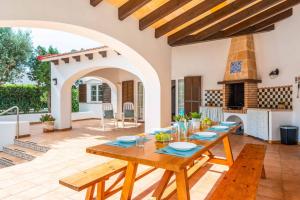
[228, 152]
[100, 190]
[163, 183]
[129, 180]
[182, 184]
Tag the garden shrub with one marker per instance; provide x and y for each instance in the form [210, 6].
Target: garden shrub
[26, 97]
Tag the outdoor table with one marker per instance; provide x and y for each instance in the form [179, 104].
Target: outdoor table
[172, 164]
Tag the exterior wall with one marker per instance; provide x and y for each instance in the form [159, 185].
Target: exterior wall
[277, 49]
[150, 56]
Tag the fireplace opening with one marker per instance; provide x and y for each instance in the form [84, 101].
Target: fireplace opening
[236, 98]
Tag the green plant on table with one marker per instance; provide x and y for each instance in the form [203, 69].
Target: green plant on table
[181, 118]
[195, 115]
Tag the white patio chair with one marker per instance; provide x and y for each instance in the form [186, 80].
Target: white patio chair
[128, 113]
[108, 114]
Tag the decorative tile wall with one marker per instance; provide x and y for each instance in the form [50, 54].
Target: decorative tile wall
[213, 98]
[270, 97]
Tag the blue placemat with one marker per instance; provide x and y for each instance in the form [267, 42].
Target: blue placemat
[121, 144]
[124, 144]
[197, 137]
[229, 125]
[218, 129]
[170, 151]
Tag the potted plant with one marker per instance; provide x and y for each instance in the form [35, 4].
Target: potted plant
[195, 117]
[48, 123]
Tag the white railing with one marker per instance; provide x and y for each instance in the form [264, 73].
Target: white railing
[18, 119]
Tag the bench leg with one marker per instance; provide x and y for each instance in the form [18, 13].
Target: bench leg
[163, 183]
[263, 173]
[100, 190]
[90, 193]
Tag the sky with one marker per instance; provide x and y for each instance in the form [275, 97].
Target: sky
[63, 41]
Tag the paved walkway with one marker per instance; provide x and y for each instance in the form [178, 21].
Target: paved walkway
[38, 179]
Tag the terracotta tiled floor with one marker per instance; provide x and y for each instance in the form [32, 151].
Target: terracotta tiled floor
[38, 179]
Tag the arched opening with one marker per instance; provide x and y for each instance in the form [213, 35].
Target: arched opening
[111, 67]
[131, 61]
[238, 120]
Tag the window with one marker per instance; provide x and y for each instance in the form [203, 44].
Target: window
[97, 93]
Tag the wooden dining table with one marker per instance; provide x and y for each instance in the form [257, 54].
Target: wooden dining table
[173, 165]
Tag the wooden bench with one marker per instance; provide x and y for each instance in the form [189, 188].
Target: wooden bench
[94, 178]
[241, 181]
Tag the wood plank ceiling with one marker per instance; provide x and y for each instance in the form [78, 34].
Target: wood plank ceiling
[193, 21]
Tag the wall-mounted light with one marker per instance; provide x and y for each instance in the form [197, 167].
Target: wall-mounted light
[273, 74]
[297, 81]
[54, 81]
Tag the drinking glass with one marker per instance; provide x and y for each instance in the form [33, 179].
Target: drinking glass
[140, 142]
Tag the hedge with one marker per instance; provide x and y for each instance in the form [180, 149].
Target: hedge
[75, 100]
[26, 97]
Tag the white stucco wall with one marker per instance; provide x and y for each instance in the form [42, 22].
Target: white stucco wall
[101, 24]
[276, 49]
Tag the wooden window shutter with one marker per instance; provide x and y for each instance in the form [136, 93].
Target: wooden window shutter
[82, 93]
[106, 93]
[127, 91]
[192, 94]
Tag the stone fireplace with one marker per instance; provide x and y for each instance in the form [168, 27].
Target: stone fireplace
[240, 84]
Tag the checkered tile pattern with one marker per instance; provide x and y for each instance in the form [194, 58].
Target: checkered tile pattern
[213, 98]
[270, 97]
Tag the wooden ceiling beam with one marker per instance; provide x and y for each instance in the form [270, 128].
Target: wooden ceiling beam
[95, 2]
[235, 18]
[187, 16]
[77, 58]
[252, 29]
[260, 17]
[130, 7]
[161, 12]
[279, 17]
[66, 60]
[219, 14]
[90, 56]
[220, 36]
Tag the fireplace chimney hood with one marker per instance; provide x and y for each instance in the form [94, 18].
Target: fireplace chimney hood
[240, 78]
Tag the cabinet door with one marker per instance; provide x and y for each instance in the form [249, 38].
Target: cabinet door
[263, 125]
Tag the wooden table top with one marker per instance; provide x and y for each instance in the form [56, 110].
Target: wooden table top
[148, 156]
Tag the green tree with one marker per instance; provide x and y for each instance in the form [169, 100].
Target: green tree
[15, 50]
[40, 72]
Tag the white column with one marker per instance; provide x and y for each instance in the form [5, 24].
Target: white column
[61, 101]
